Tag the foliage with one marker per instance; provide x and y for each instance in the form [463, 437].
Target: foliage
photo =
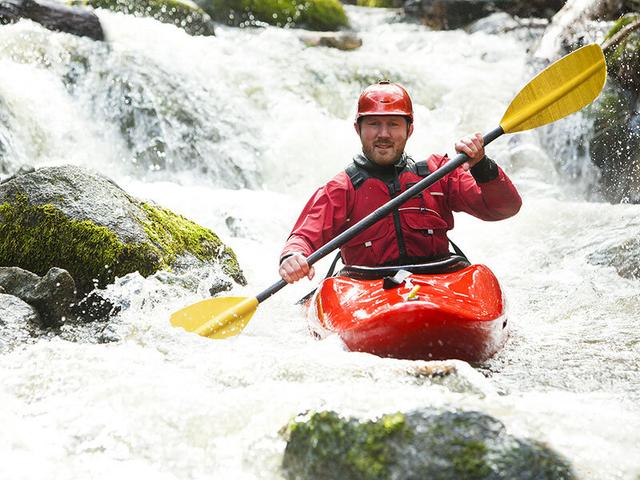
[312, 14]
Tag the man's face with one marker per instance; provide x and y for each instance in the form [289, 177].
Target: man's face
[383, 137]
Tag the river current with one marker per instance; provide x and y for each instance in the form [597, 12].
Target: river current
[251, 123]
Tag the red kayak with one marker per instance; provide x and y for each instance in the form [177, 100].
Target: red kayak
[442, 310]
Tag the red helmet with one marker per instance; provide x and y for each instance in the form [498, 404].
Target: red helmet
[385, 98]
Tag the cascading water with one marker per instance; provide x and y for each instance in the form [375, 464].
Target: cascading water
[236, 132]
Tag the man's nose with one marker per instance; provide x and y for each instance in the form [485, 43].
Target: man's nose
[384, 131]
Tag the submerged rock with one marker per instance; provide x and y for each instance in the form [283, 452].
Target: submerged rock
[181, 13]
[312, 14]
[418, 445]
[54, 16]
[624, 257]
[341, 41]
[52, 295]
[83, 222]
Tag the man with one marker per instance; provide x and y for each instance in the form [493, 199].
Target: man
[417, 230]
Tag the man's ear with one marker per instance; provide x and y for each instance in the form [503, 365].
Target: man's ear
[356, 125]
[410, 131]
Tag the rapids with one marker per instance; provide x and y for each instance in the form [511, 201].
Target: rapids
[249, 123]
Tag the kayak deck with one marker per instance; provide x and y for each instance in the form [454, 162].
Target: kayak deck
[451, 315]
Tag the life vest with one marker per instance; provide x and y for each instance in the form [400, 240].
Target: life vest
[412, 232]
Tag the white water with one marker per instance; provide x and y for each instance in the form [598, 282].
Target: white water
[164, 404]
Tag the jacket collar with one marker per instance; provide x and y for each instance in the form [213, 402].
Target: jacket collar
[362, 161]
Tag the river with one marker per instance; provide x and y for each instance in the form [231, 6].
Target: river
[250, 123]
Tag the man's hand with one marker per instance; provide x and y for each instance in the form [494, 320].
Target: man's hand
[295, 267]
[473, 146]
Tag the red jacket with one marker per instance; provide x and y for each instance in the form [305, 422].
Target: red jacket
[418, 228]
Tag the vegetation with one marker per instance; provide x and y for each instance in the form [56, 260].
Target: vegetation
[312, 14]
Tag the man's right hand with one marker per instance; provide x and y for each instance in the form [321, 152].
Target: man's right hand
[295, 267]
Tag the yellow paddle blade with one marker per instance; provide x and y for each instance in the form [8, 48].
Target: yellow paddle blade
[219, 317]
[562, 88]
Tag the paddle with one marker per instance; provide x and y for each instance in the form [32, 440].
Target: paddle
[563, 88]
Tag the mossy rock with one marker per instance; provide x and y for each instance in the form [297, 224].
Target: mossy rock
[181, 13]
[623, 61]
[379, 3]
[321, 15]
[417, 445]
[70, 218]
[614, 145]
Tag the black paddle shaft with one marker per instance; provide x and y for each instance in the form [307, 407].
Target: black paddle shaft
[382, 212]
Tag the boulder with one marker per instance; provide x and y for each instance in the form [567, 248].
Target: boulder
[312, 14]
[612, 125]
[416, 445]
[54, 16]
[339, 40]
[615, 142]
[578, 22]
[453, 14]
[52, 295]
[181, 13]
[71, 218]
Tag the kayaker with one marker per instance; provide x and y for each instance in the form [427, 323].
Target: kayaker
[416, 231]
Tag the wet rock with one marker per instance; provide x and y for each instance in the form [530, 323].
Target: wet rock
[448, 14]
[577, 23]
[612, 122]
[622, 48]
[341, 41]
[614, 144]
[17, 321]
[80, 221]
[53, 16]
[502, 22]
[417, 445]
[453, 14]
[51, 295]
[181, 13]
[95, 307]
[312, 14]
[624, 257]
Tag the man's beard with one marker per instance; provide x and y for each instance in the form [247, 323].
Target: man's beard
[388, 159]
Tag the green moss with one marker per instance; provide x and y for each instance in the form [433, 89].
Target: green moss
[357, 450]
[37, 238]
[188, 17]
[175, 235]
[622, 22]
[469, 460]
[376, 3]
[313, 14]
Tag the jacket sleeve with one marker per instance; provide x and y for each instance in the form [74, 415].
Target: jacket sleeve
[485, 192]
[322, 218]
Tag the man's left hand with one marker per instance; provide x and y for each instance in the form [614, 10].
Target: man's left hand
[473, 146]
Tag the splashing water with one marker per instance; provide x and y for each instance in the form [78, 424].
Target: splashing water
[235, 132]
